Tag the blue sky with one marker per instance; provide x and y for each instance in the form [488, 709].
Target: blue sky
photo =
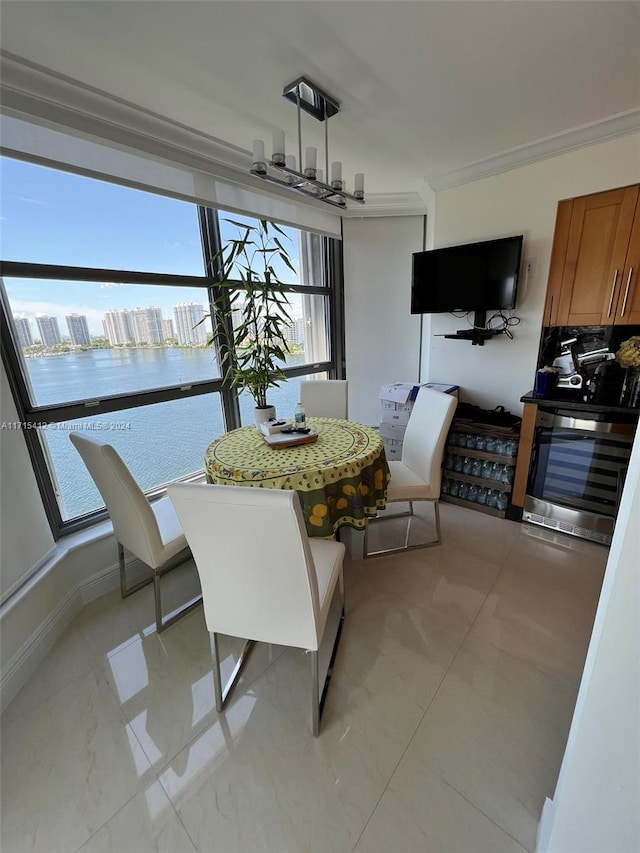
[53, 217]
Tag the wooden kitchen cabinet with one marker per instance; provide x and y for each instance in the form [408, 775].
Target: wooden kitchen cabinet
[527, 431]
[593, 275]
[628, 307]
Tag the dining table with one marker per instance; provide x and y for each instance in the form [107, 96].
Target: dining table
[341, 478]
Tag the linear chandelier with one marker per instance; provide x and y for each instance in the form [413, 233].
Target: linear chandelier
[282, 168]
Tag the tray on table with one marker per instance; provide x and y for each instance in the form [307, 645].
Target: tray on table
[290, 439]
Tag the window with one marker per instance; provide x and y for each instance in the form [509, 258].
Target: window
[105, 296]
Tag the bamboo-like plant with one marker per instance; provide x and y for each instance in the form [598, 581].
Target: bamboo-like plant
[253, 348]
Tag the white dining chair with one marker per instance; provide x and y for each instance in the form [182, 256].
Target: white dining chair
[324, 398]
[262, 577]
[417, 476]
[149, 531]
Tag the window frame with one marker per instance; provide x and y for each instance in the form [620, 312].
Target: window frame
[328, 253]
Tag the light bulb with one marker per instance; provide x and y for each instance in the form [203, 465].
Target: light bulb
[277, 155]
[310, 155]
[259, 163]
[336, 175]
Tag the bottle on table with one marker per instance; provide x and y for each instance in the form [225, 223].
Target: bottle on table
[300, 417]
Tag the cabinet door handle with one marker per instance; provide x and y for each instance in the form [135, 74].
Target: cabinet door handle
[613, 288]
[550, 309]
[626, 292]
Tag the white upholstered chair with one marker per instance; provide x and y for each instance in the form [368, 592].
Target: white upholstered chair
[418, 475]
[324, 398]
[149, 531]
[262, 577]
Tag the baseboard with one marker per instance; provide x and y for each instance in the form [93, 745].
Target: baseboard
[6, 595]
[99, 584]
[26, 660]
[544, 827]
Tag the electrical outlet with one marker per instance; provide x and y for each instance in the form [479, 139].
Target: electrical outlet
[529, 269]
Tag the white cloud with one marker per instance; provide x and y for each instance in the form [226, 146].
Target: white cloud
[39, 201]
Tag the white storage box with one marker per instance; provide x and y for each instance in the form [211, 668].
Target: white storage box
[393, 430]
[403, 394]
[392, 448]
[395, 416]
[399, 392]
[443, 388]
[390, 406]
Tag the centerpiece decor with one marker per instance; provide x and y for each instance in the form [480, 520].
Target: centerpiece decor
[628, 356]
[250, 315]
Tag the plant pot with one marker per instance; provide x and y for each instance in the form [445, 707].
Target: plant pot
[263, 413]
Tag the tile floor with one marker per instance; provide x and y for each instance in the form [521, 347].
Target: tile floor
[444, 727]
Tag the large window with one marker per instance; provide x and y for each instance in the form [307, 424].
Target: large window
[105, 296]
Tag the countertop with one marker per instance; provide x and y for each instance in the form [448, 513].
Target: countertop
[576, 405]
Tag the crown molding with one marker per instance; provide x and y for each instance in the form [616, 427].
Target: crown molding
[30, 91]
[62, 102]
[388, 204]
[551, 146]
[38, 91]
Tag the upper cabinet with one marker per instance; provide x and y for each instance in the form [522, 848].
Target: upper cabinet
[593, 275]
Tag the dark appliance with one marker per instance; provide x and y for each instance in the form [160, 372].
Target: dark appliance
[577, 471]
[586, 359]
[472, 277]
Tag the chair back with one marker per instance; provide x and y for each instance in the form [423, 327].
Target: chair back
[324, 398]
[134, 523]
[426, 435]
[252, 553]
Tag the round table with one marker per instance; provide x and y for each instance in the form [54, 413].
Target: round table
[341, 479]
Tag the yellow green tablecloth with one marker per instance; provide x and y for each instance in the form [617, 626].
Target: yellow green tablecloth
[341, 479]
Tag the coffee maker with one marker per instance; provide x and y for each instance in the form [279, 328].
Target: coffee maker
[583, 369]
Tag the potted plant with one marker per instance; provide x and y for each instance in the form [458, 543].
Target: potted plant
[251, 313]
[628, 356]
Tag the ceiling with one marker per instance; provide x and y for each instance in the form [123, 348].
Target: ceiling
[426, 88]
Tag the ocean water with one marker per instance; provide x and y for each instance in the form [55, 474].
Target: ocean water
[159, 443]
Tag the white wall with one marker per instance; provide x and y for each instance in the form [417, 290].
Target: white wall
[596, 806]
[522, 201]
[69, 573]
[26, 536]
[382, 337]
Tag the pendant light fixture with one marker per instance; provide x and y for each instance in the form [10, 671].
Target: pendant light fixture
[303, 176]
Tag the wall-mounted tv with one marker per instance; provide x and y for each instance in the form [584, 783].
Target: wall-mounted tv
[473, 277]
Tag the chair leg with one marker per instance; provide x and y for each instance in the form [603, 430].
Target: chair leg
[163, 622]
[221, 693]
[315, 695]
[125, 589]
[436, 510]
[317, 698]
[406, 546]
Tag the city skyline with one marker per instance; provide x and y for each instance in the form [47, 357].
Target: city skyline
[139, 326]
[23, 308]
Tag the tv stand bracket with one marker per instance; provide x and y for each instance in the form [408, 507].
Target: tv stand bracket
[478, 334]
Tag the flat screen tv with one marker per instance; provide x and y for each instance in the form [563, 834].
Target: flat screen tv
[473, 277]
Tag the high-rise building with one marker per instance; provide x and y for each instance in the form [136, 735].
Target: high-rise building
[188, 315]
[78, 329]
[23, 329]
[294, 332]
[49, 330]
[118, 327]
[167, 328]
[147, 325]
